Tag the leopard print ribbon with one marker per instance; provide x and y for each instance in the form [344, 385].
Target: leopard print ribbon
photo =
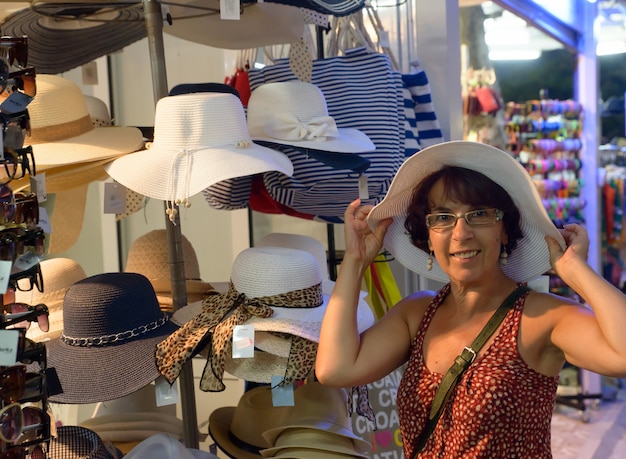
[213, 327]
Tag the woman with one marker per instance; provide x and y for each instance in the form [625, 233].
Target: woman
[469, 215]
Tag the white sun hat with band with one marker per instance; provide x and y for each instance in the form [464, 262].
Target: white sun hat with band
[199, 139]
[528, 260]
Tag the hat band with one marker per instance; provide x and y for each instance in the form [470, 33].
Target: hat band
[115, 337]
[286, 126]
[61, 131]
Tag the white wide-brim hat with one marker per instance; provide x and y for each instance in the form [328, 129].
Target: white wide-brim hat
[295, 113]
[260, 24]
[531, 257]
[199, 139]
[62, 132]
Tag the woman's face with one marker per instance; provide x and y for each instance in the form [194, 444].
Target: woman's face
[466, 253]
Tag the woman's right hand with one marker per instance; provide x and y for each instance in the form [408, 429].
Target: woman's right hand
[361, 242]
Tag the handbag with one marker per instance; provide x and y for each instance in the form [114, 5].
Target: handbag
[461, 363]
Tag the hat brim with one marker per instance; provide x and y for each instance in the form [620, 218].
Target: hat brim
[220, 421]
[348, 140]
[97, 374]
[150, 171]
[56, 50]
[67, 218]
[100, 143]
[260, 24]
[530, 259]
[361, 446]
[259, 369]
[309, 453]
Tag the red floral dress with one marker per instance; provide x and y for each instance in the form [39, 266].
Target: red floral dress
[501, 408]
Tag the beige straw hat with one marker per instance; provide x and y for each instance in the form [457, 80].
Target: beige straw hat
[58, 275]
[62, 131]
[149, 255]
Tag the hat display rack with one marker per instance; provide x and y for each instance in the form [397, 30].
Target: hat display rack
[26, 382]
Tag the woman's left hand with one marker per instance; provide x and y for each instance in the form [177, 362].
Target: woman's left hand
[577, 245]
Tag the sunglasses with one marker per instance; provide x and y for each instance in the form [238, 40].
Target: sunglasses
[18, 385]
[16, 126]
[24, 425]
[14, 50]
[20, 315]
[17, 241]
[33, 275]
[17, 163]
[23, 80]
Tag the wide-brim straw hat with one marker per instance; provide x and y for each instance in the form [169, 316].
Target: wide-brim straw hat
[149, 255]
[63, 133]
[59, 41]
[309, 453]
[238, 431]
[75, 442]
[531, 257]
[199, 139]
[260, 24]
[58, 275]
[295, 113]
[112, 323]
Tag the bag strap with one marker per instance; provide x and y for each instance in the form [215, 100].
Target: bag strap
[461, 363]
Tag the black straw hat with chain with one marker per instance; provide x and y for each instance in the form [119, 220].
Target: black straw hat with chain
[111, 325]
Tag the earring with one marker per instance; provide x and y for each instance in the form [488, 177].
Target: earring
[503, 256]
[430, 261]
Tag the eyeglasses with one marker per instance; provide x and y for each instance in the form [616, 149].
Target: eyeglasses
[16, 241]
[27, 208]
[33, 275]
[17, 163]
[17, 385]
[482, 217]
[20, 315]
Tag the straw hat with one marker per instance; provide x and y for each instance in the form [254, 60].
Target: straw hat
[59, 41]
[62, 131]
[295, 113]
[260, 24]
[320, 408]
[238, 431]
[529, 260]
[315, 441]
[199, 139]
[112, 322]
[74, 442]
[149, 255]
[58, 275]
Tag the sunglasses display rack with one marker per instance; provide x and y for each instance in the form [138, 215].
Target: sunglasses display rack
[25, 421]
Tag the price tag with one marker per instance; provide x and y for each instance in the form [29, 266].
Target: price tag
[8, 347]
[281, 395]
[165, 393]
[114, 198]
[243, 341]
[229, 9]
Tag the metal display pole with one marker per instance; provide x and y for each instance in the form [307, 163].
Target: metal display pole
[154, 28]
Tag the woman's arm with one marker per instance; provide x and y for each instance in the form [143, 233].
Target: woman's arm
[343, 357]
[592, 340]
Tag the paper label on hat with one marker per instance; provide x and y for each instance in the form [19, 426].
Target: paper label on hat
[229, 9]
[27, 261]
[44, 221]
[281, 395]
[243, 341]
[364, 193]
[8, 347]
[15, 103]
[38, 186]
[165, 393]
[540, 284]
[114, 198]
[5, 273]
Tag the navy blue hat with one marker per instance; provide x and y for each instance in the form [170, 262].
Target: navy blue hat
[189, 88]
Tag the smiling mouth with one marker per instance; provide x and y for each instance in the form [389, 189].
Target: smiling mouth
[465, 255]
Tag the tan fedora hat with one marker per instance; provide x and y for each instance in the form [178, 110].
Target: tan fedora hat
[238, 431]
[321, 408]
[315, 441]
[148, 255]
[58, 275]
